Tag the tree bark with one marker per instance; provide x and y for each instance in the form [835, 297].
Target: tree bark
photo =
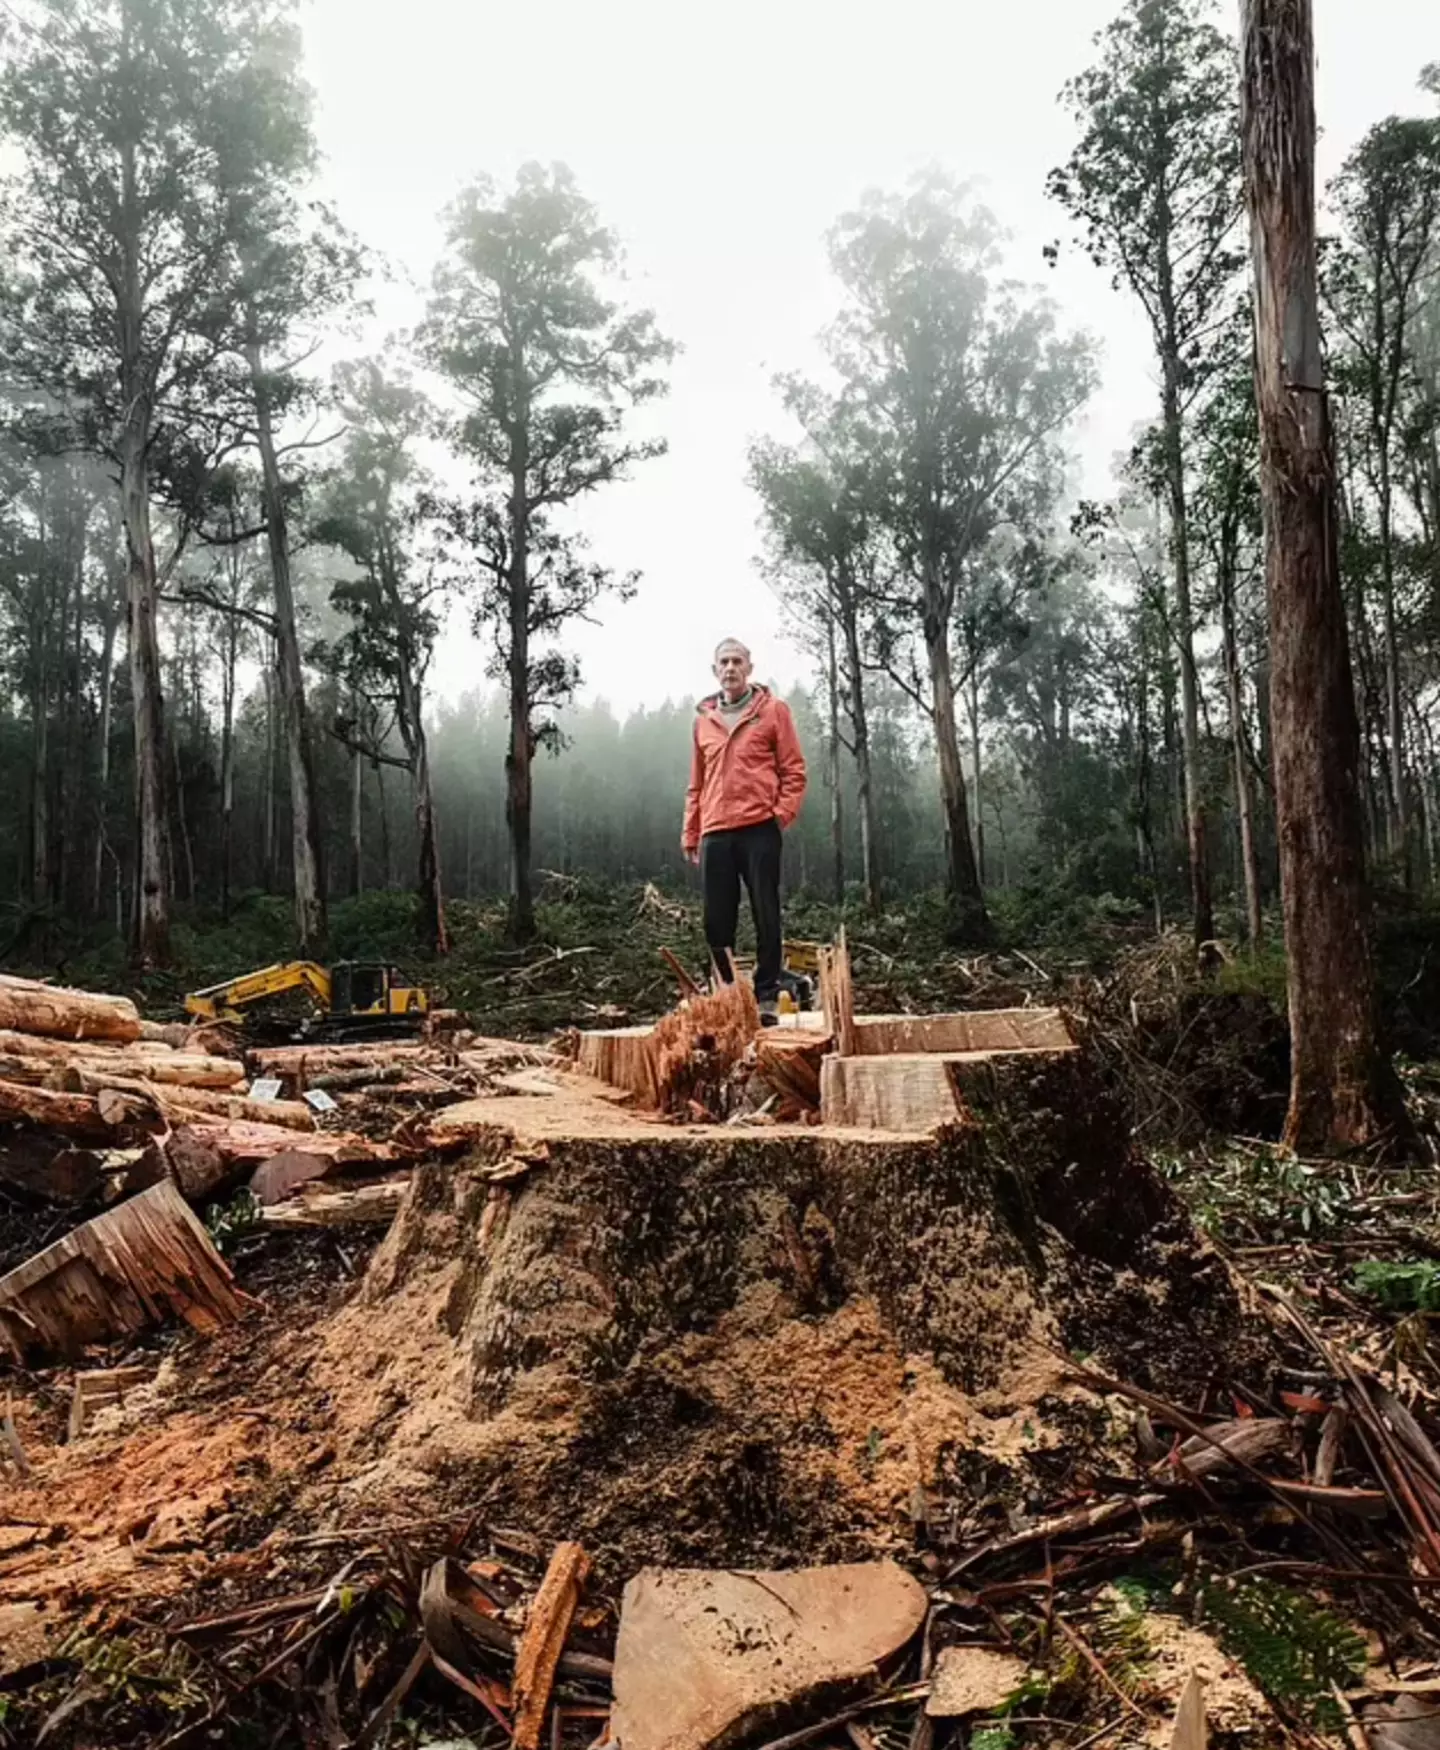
[307, 843]
[1240, 755]
[837, 802]
[860, 736]
[1343, 1091]
[520, 755]
[152, 863]
[102, 773]
[1201, 908]
[357, 812]
[969, 921]
[973, 705]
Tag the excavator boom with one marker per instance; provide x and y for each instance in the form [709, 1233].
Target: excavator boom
[223, 1002]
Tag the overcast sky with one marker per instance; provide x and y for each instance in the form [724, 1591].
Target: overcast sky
[721, 142]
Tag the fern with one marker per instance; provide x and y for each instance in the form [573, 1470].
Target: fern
[993, 1738]
[1292, 1649]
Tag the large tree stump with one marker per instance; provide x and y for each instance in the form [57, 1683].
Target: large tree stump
[667, 1341]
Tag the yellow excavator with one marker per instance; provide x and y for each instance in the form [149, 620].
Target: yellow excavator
[354, 999]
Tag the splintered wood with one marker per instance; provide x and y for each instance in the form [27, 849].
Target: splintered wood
[117, 1274]
[837, 996]
[688, 1056]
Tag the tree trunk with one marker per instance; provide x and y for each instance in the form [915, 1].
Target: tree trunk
[102, 773]
[973, 702]
[152, 873]
[270, 833]
[357, 810]
[1244, 798]
[969, 921]
[1394, 702]
[227, 759]
[860, 737]
[1201, 910]
[837, 802]
[307, 842]
[519, 757]
[1343, 1092]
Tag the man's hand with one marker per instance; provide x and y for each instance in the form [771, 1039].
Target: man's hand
[692, 854]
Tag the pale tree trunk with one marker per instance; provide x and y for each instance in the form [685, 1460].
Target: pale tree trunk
[1240, 755]
[357, 808]
[1394, 700]
[152, 873]
[969, 921]
[307, 843]
[1201, 910]
[1343, 1092]
[387, 878]
[269, 831]
[431, 891]
[152, 863]
[860, 736]
[102, 763]
[227, 748]
[973, 703]
[520, 755]
[837, 803]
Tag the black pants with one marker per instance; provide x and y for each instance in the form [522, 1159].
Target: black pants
[750, 854]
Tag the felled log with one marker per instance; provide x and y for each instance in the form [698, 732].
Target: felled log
[175, 1034]
[182, 1104]
[546, 1626]
[353, 1206]
[291, 1062]
[148, 1062]
[208, 1155]
[75, 1114]
[115, 1275]
[58, 1013]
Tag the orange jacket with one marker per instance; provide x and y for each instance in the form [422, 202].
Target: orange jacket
[746, 775]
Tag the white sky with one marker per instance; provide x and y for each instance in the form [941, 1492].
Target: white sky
[721, 142]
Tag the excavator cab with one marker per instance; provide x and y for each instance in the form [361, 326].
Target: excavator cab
[363, 990]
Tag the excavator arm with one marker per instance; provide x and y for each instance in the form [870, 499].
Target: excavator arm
[223, 1002]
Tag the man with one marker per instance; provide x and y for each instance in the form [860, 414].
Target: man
[747, 780]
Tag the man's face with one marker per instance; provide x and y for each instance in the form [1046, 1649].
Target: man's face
[732, 670]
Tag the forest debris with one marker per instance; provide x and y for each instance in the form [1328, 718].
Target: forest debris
[707, 1656]
[1248, 1439]
[99, 1388]
[117, 1274]
[972, 1680]
[42, 1166]
[1190, 1731]
[55, 1012]
[546, 1628]
[351, 1206]
[285, 1172]
[837, 995]
[11, 1435]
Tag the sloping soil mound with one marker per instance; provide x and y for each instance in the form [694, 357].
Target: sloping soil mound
[769, 1345]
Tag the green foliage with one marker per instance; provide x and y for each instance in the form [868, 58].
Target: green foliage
[1260, 1195]
[126, 1670]
[229, 1223]
[1261, 973]
[999, 1737]
[1292, 1649]
[1400, 1287]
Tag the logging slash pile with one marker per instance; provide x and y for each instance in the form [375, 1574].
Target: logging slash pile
[750, 1391]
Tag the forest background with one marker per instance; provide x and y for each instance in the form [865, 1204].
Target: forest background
[239, 553]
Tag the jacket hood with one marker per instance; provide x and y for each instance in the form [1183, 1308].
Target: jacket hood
[712, 702]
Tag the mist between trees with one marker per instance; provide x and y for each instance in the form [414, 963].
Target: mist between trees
[224, 568]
